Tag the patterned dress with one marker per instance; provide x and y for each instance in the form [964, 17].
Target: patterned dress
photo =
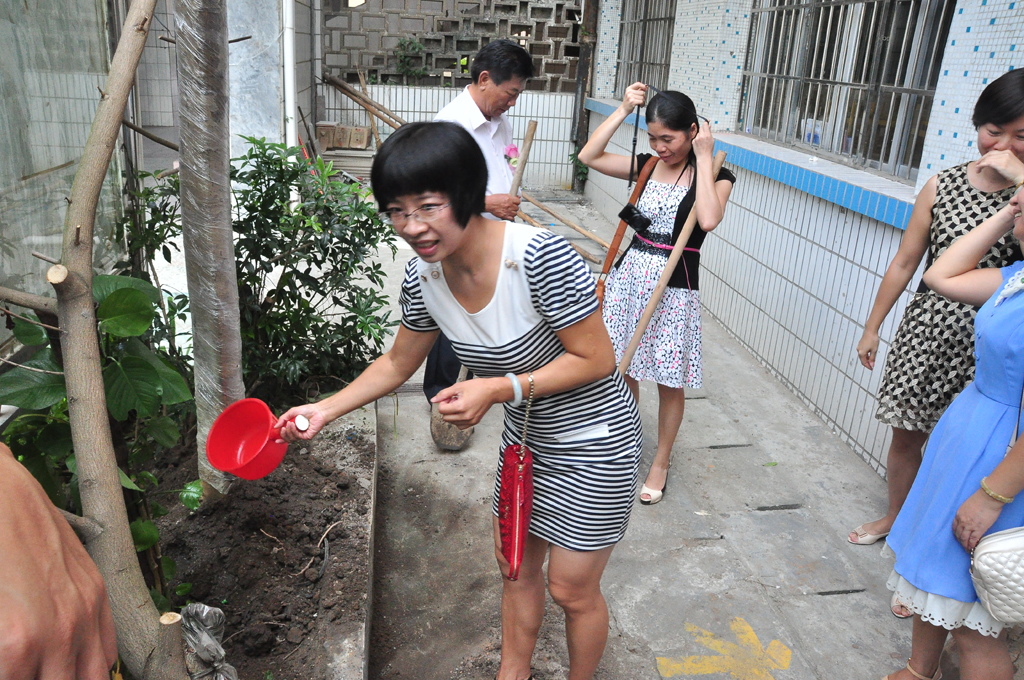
[670, 349]
[586, 442]
[931, 359]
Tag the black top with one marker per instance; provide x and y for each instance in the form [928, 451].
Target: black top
[689, 263]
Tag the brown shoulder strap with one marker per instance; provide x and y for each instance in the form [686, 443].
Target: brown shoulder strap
[613, 250]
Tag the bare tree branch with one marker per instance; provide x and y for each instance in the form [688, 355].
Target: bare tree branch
[36, 303]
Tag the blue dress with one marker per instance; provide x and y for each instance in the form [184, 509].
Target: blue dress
[932, 569]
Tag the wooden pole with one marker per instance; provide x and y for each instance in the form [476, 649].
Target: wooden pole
[524, 155]
[373, 107]
[572, 225]
[148, 135]
[666, 274]
[373, 123]
[586, 256]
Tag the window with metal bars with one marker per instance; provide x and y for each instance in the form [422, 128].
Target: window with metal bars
[852, 80]
[645, 43]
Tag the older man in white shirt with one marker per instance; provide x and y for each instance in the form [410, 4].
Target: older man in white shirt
[500, 71]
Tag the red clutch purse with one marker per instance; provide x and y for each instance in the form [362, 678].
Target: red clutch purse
[515, 501]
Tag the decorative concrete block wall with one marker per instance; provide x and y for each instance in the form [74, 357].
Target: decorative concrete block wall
[451, 31]
[986, 39]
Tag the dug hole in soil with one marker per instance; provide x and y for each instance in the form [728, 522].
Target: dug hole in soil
[255, 554]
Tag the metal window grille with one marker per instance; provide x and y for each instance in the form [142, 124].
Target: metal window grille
[849, 79]
[645, 43]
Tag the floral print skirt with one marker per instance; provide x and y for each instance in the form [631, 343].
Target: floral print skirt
[670, 349]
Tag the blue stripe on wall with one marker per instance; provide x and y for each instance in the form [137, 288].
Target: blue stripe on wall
[873, 204]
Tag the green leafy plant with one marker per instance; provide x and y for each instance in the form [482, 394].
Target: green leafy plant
[408, 57]
[147, 400]
[309, 290]
[580, 171]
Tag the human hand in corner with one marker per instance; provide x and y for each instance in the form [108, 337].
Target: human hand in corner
[1005, 163]
[55, 619]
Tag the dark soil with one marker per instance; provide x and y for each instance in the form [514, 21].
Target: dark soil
[258, 554]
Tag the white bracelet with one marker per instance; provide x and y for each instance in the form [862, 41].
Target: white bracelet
[517, 389]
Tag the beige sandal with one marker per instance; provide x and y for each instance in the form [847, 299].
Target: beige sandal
[937, 676]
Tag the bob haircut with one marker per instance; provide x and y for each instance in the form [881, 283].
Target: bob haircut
[503, 60]
[1002, 101]
[441, 157]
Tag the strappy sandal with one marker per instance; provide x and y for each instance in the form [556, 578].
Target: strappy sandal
[937, 676]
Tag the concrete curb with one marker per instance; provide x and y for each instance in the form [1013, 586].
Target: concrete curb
[349, 651]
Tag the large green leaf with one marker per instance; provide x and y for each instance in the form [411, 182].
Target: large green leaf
[173, 388]
[169, 567]
[192, 495]
[145, 534]
[126, 481]
[164, 431]
[29, 334]
[42, 469]
[103, 285]
[55, 440]
[126, 312]
[30, 389]
[131, 384]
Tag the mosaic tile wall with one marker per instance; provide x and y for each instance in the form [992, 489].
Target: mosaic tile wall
[986, 39]
[708, 50]
[607, 49]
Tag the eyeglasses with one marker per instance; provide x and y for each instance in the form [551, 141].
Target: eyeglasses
[426, 213]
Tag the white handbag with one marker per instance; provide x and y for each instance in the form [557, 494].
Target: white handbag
[997, 565]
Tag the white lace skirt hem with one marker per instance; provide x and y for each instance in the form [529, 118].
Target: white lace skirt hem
[943, 611]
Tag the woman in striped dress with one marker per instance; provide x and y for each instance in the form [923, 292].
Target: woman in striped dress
[518, 305]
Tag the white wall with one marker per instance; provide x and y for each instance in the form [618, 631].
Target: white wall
[548, 165]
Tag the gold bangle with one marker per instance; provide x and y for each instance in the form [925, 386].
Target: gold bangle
[1002, 499]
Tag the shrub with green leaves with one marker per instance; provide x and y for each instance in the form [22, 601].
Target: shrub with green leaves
[142, 388]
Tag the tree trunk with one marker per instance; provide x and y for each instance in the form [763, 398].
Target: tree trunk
[135, 617]
[202, 41]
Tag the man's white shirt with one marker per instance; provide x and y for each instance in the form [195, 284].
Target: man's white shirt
[492, 136]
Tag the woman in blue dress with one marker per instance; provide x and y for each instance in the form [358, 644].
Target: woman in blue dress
[965, 487]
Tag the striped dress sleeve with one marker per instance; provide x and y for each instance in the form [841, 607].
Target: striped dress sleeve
[415, 316]
[561, 285]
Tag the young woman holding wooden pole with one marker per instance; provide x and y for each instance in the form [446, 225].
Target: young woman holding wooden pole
[682, 180]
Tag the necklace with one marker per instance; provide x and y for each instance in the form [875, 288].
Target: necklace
[685, 167]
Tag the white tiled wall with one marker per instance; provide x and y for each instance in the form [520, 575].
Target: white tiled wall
[986, 39]
[548, 165]
[158, 75]
[793, 277]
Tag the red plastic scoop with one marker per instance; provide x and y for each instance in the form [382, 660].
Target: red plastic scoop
[243, 440]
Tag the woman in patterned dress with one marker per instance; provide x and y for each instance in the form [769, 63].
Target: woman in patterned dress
[519, 307]
[932, 355]
[670, 349]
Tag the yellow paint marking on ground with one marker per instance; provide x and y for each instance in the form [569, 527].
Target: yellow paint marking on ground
[744, 659]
